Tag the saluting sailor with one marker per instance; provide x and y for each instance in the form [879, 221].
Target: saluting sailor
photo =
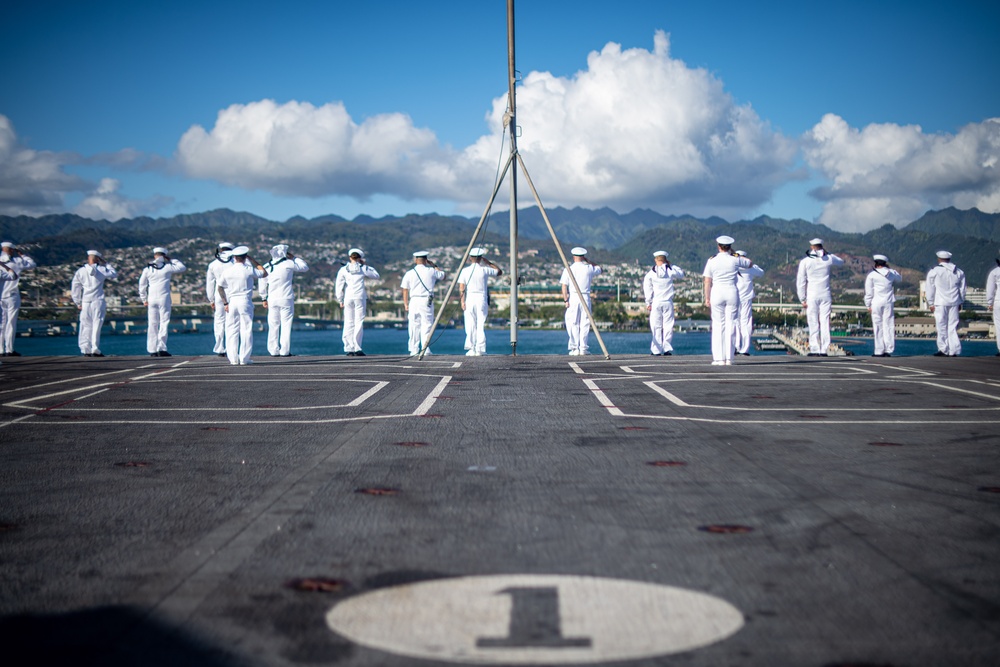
[744, 285]
[880, 295]
[945, 296]
[993, 300]
[658, 290]
[813, 287]
[473, 281]
[10, 295]
[577, 320]
[723, 298]
[223, 256]
[279, 298]
[236, 290]
[353, 297]
[88, 295]
[418, 300]
[154, 291]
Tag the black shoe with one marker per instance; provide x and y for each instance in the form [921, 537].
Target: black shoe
[813, 354]
[953, 355]
[97, 354]
[359, 353]
[668, 354]
[939, 353]
[275, 355]
[654, 354]
[12, 353]
[352, 354]
[154, 354]
[163, 353]
[222, 354]
[287, 355]
[878, 355]
[87, 354]
[997, 354]
[886, 354]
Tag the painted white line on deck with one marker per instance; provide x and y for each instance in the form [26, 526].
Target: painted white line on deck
[666, 394]
[424, 407]
[602, 398]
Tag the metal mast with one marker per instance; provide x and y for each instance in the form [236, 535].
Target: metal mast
[511, 121]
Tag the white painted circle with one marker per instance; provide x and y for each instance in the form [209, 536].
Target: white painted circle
[534, 619]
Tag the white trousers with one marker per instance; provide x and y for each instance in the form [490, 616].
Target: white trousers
[157, 326]
[239, 330]
[420, 319]
[91, 321]
[578, 325]
[220, 326]
[744, 326]
[996, 321]
[476, 310]
[818, 315]
[946, 318]
[884, 327]
[279, 327]
[725, 310]
[9, 308]
[354, 320]
[661, 323]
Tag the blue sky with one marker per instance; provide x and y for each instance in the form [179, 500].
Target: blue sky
[852, 113]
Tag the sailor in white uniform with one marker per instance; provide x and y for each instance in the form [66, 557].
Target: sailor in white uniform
[577, 319]
[353, 297]
[473, 281]
[744, 285]
[880, 295]
[154, 292]
[223, 256]
[945, 296]
[236, 290]
[813, 287]
[658, 290]
[418, 300]
[723, 298]
[10, 295]
[88, 295]
[279, 298]
[993, 300]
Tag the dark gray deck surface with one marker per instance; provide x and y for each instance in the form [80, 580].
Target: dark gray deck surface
[153, 512]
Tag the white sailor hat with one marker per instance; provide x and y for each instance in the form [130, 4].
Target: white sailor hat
[421, 253]
[159, 251]
[661, 253]
[943, 254]
[880, 258]
[579, 251]
[741, 253]
[725, 240]
[226, 245]
[356, 251]
[6, 244]
[477, 252]
[241, 250]
[94, 253]
[816, 241]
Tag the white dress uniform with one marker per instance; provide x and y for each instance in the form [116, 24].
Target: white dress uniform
[420, 281]
[744, 318]
[658, 290]
[10, 297]
[154, 289]
[993, 299]
[880, 295]
[353, 296]
[813, 287]
[237, 281]
[276, 290]
[222, 259]
[88, 295]
[946, 292]
[723, 269]
[577, 321]
[476, 277]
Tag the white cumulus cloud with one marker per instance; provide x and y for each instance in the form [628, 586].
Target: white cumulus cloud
[636, 128]
[106, 203]
[32, 182]
[887, 173]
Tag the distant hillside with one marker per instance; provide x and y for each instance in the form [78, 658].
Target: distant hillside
[972, 223]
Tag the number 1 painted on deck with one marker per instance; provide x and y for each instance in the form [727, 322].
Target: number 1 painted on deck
[534, 622]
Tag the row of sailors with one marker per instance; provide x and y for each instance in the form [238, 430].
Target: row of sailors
[729, 278]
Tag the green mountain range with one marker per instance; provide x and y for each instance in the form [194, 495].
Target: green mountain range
[973, 236]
